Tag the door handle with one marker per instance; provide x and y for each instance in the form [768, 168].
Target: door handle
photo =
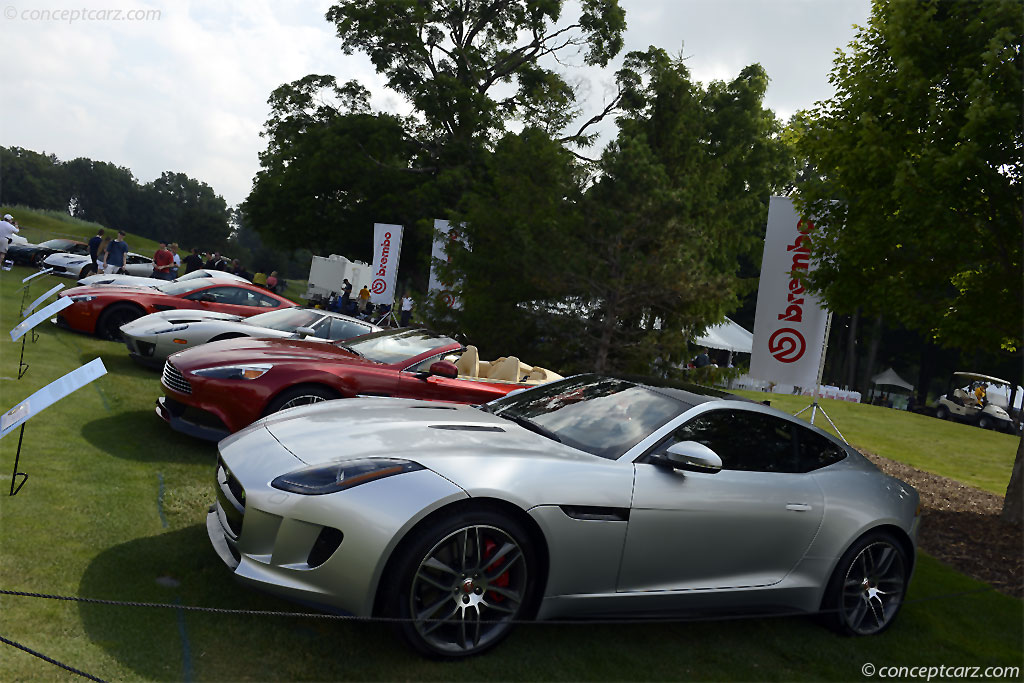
[798, 507]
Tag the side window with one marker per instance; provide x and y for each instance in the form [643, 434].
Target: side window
[815, 451]
[263, 301]
[345, 329]
[744, 440]
[220, 295]
[322, 329]
[424, 365]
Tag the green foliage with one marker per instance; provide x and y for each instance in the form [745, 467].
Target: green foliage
[922, 148]
[184, 210]
[32, 179]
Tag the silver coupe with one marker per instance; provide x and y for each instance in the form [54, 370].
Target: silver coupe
[588, 497]
[137, 279]
[151, 338]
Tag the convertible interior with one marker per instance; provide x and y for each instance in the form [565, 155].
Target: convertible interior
[504, 369]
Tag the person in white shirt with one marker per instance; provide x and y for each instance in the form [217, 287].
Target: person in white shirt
[7, 229]
[407, 303]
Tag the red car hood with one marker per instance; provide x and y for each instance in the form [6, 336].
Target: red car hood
[111, 290]
[232, 351]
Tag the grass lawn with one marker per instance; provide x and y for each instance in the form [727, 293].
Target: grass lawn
[978, 457]
[114, 508]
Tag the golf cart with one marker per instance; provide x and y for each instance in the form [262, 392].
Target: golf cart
[968, 400]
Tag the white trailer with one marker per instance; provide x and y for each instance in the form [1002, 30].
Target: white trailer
[326, 276]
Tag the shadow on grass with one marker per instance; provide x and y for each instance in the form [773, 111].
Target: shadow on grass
[180, 567]
[118, 361]
[141, 436]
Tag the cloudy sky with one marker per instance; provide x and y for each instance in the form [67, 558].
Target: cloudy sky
[183, 85]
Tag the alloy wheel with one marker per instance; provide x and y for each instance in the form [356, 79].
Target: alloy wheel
[468, 589]
[873, 588]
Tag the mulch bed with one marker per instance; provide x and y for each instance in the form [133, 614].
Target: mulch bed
[960, 526]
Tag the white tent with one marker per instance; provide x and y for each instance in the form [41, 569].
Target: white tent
[890, 378]
[727, 336]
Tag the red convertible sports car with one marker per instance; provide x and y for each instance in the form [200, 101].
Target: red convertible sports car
[220, 387]
[103, 310]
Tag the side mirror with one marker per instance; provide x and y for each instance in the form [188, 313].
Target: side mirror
[444, 368]
[304, 332]
[693, 456]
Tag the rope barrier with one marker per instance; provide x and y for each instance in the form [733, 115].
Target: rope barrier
[50, 660]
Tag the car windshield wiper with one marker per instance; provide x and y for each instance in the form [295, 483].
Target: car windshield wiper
[532, 426]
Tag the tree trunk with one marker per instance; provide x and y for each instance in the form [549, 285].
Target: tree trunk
[869, 365]
[851, 351]
[1013, 505]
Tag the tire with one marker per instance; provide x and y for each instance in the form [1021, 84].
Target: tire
[985, 422]
[461, 584]
[86, 271]
[868, 585]
[113, 317]
[300, 396]
[942, 412]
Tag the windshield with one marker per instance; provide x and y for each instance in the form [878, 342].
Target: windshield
[286, 320]
[58, 244]
[395, 346]
[600, 415]
[178, 288]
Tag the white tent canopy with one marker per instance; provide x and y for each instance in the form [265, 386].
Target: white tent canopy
[727, 336]
[890, 378]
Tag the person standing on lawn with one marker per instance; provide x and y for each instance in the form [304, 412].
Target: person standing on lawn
[193, 261]
[407, 303]
[176, 264]
[162, 262]
[116, 255]
[94, 250]
[7, 230]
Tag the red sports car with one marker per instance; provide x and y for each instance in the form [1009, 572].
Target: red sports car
[218, 388]
[103, 310]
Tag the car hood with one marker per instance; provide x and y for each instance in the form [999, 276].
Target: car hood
[482, 453]
[186, 315]
[120, 280]
[110, 290]
[262, 351]
[64, 257]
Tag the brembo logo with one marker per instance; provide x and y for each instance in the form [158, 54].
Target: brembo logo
[385, 248]
[787, 345]
[378, 286]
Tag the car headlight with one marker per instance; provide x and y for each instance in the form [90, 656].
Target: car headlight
[252, 371]
[176, 328]
[76, 299]
[338, 476]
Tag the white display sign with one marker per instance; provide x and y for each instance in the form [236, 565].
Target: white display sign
[387, 247]
[444, 235]
[44, 297]
[789, 325]
[50, 394]
[38, 317]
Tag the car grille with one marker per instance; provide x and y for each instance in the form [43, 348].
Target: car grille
[232, 501]
[174, 380]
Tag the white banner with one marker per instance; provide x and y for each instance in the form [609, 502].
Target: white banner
[444, 234]
[387, 247]
[789, 325]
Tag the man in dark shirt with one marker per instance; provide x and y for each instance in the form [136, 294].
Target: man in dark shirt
[193, 261]
[117, 254]
[94, 249]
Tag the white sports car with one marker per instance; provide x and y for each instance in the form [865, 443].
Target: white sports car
[133, 280]
[80, 265]
[151, 338]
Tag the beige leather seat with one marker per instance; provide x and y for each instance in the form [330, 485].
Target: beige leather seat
[506, 370]
[469, 362]
[539, 375]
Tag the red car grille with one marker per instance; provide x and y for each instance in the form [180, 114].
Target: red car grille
[174, 380]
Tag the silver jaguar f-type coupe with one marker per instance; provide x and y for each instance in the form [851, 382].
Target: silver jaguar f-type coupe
[589, 497]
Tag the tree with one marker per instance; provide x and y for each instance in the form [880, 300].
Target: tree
[184, 210]
[331, 170]
[32, 179]
[102, 192]
[919, 168]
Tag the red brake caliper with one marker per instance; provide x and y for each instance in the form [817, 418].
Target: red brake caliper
[500, 581]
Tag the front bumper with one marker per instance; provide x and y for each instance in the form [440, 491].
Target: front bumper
[327, 550]
[191, 421]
